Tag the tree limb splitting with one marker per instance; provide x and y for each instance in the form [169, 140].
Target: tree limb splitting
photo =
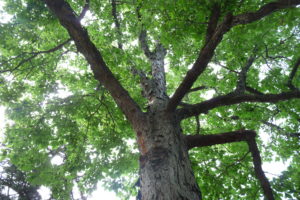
[231, 99]
[201, 63]
[156, 59]
[100, 70]
[207, 51]
[265, 10]
[248, 136]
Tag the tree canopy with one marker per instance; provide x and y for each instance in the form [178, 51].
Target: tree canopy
[246, 77]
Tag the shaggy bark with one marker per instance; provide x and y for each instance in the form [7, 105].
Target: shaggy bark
[165, 169]
[156, 87]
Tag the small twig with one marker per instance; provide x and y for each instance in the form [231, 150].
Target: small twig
[272, 57]
[33, 55]
[197, 89]
[238, 161]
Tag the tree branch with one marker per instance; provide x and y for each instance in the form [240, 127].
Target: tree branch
[213, 21]
[265, 10]
[272, 57]
[156, 58]
[33, 55]
[292, 75]
[100, 70]
[241, 83]
[231, 99]
[143, 36]
[264, 182]
[117, 23]
[84, 10]
[281, 130]
[248, 136]
[207, 51]
[144, 44]
[193, 141]
[198, 124]
[200, 65]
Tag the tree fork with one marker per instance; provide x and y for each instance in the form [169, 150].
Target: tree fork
[100, 70]
[248, 136]
[165, 168]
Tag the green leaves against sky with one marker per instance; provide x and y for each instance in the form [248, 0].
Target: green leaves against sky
[55, 107]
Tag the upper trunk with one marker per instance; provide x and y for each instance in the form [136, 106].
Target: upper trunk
[165, 169]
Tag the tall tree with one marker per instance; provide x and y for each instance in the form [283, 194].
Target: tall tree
[195, 83]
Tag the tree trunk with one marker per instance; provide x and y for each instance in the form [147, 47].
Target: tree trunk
[165, 169]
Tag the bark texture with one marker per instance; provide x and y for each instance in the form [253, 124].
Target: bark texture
[165, 169]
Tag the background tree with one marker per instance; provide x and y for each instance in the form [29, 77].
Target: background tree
[192, 82]
[13, 183]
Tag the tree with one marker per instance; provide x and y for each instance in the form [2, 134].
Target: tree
[196, 83]
[13, 179]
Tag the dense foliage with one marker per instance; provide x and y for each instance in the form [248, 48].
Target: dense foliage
[56, 109]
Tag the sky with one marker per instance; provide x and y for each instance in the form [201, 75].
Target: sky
[272, 168]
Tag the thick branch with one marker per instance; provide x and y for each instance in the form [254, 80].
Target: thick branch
[235, 136]
[265, 10]
[208, 50]
[234, 98]
[292, 75]
[101, 72]
[264, 182]
[156, 58]
[213, 21]
[193, 141]
[200, 65]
